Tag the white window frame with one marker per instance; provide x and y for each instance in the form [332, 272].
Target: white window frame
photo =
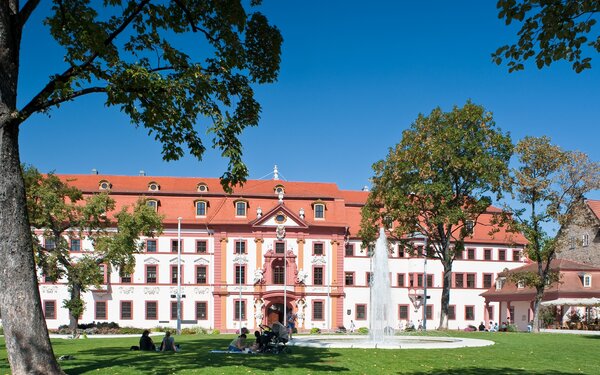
[323, 211]
[237, 205]
[205, 208]
[587, 280]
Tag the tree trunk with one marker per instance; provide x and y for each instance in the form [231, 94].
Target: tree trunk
[27, 343]
[447, 283]
[74, 319]
[536, 309]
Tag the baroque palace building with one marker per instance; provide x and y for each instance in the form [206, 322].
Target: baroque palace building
[271, 246]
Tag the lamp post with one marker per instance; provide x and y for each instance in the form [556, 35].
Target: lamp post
[179, 275]
[425, 285]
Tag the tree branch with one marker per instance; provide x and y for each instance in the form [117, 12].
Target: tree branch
[37, 103]
[194, 27]
[26, 11]
[74, 95]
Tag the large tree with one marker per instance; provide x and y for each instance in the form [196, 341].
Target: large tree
[551, 30]
[434, 184]
[61, 214]
[548, 182]
[130, 52]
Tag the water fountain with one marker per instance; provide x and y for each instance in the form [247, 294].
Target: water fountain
[380, 306]
[381, 318]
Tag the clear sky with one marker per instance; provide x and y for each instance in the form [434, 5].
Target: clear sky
[354, 75]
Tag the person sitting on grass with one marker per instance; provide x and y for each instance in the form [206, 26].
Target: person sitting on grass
[168, 343]
[238, 344]
[146, 342]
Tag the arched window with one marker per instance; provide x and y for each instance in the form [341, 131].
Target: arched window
[202, 187]
[319, 210]
[279, 189]
[587, 280]
[153, 186]
[104, 185]
[201, 208]
[153, 203]
[240, 208]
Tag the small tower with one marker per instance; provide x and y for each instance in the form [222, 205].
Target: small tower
[275, 173]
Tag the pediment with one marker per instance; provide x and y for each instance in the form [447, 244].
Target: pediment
[151, 260]
[174, 260]
[280, 215]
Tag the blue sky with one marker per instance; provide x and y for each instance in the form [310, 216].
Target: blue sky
[354, 75]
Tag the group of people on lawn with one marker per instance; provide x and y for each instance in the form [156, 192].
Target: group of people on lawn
[237, 345]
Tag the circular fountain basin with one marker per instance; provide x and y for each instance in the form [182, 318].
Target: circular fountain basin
[394, 342]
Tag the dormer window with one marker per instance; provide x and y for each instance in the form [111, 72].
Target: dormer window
[104, 185]
[520, 284]
[240, 208]
[279, 189]
[153, 186]
[500, 283]
[153, 203]
[201, 208]
[319, 210]
[202, 187]
[587, 280]
[586, 240]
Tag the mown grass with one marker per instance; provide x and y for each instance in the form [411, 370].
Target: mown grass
[513, 353]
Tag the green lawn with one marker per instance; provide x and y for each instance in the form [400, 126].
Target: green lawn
[513, 353]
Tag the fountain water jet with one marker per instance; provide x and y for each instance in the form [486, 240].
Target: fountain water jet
[380, 306]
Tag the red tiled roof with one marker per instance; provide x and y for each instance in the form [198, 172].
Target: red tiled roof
[177, 195]
[594, 205]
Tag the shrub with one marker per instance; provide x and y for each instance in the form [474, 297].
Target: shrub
[315, 331]
[1, 330]
[194, 331]
[131, 331]
[511, 328]
[215, 332]
[363, 331]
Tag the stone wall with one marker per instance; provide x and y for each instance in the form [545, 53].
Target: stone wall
[571, 237]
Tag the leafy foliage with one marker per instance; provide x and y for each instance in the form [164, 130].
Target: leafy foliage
[130, 51]
[550, 31]
[549, 182]
[63, 214]
[434, 182]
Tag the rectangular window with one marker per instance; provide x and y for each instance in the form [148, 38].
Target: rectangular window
[125, 278]
[278, 274]
[350, 250]
[420, 280]
[401, 251]
[240, 274]
[239, 306]
[469, 312]
[174, 274]
[369, 278]
[502, 254]
[586, 240]
[126, 310]
[511, 311]
[49, 243]
[201, 246]
[150, 246]
[490, 310]
[401, 277]
[471, 254]
[317, 311]
[279, 247]
[202, 310]
[349, 278]
[100, 311]
[361, 312]
[403, 312]
[571, 243]
[240, 209]
[174, 310]
[318, 276]
[516, 255]
[175, 245]
[319, 211]
[102, 268]
[451, 312]
[471, 280]
[75, 244]
[201, 275]
[318, 248]
[487, 254]
[50, 309]
[240, 247]
[429, 280]
[151, 274]
[459, 280]
[429, 312]
[487, 280]
[151, 310]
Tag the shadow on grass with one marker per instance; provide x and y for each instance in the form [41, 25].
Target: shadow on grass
[489, 371]
[196, 356]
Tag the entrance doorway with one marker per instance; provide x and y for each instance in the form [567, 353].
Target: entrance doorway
[275, 313]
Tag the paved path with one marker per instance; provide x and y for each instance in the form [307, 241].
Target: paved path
[571, 331]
